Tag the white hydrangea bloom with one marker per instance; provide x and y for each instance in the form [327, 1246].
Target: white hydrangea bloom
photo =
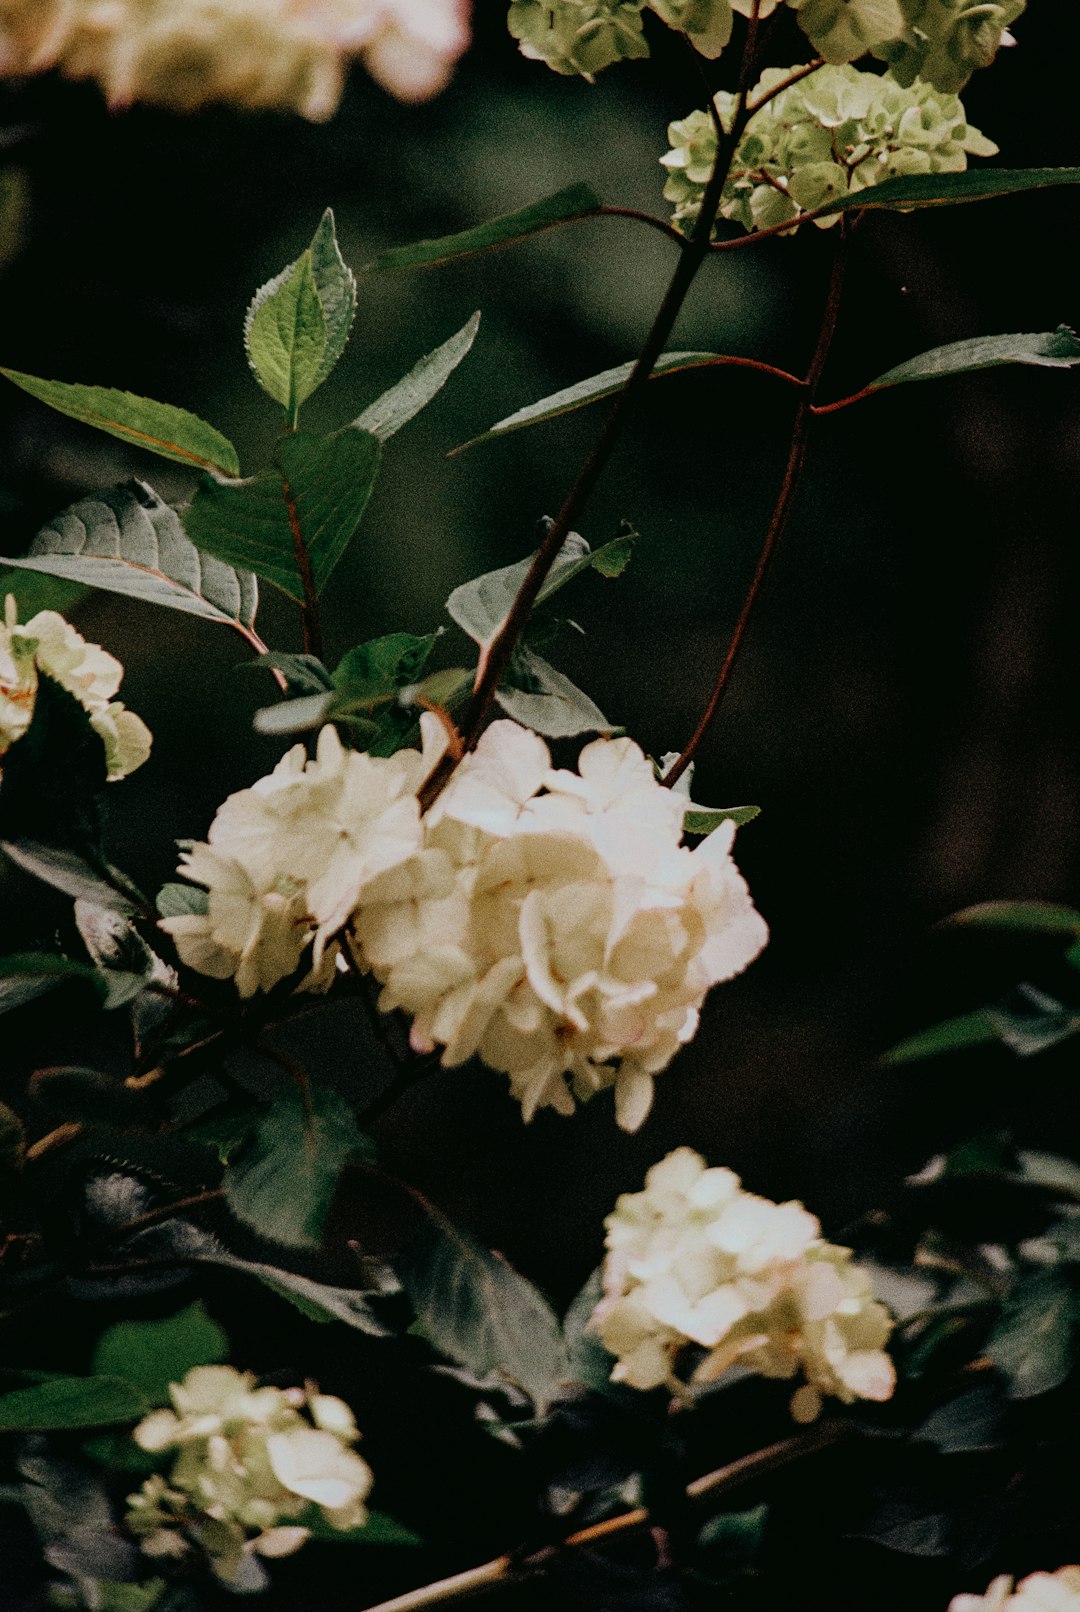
[250, 1463]
[285, 55]
[554, 924]
[286, 861]
[1040, 1592]
[51, 646]
[696, 1259]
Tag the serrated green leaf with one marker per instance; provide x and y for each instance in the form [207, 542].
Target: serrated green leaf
[576, 201]
[286, 335]
[1032, 1345]
[704, 821]
[317, 494]
[479, 1311]
[969, 1030]
[480, 607]
[1018, 917]
[582, 393]
[415, 391]
[128, 541]
[947, 189]
[68, 1403]
[1055, 349]
[551, 704]
[152, 1354]
[160, 428]
[182, 900]
[336, 285]
[282, 1183]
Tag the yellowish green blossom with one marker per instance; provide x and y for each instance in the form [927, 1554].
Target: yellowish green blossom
[946, 41]
[701, 1274]
[49, 646]
[831, 135]
[250, 1464]
[585, 36]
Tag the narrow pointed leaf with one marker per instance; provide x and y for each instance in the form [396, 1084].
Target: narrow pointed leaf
[576, 201]
[946, 189]
[415, 391]
[336, 285]
[318, 494]
[1019, 917]
[158, 427]
[969, 1030]
[67, 871]
[128, 541]
[592, 390]
[480, 607]
[551, 705]
[71, 1402]
[1052, 349]
[702, 820]
[285, 335]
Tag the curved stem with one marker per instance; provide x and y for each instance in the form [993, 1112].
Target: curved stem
[780, 515]
[794, 77]
[845, 402]
[496, 655]
[660, 224]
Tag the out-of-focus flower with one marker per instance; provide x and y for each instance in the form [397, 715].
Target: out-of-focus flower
[284, 55]
[1040, 1592]
[694, 1259]
[50, 646]
[554, 924]
[286, 862]
[250, 1463]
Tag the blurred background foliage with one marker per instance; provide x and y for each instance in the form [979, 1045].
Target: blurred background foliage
[904, 711]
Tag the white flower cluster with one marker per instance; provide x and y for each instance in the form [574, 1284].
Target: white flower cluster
[284, 55]
[250, 1463]
[1041, 1592]
[550, 922]
[49, 646]
[697, 1260]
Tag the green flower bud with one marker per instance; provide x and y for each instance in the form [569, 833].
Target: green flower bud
[585, 36]
[945, 41]
[844, 30]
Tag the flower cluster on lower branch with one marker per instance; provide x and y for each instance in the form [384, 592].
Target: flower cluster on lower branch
[250, 1463]
[549, 921]
[695, 1260]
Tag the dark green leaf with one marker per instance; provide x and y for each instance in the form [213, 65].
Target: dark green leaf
[582, 393]
[1054, 349]
[415, 391]
[703, 822]
[481, 606]
[51, 967]
[20, 989]
[377, 669]
[34, 591]
[182, 900]
[380, 1529]
[305, 674]
[577, 201]
[973, 1421]
[89, 1096]
[1019, 917]
[128, 541]
[970, 1030]
[728, 1545]
[551, 704]
[152, 1354]
[159, 427]
[282, 1184]
[588, 1362]
[946, 189]
[1032, 1345]
[67, 871]
[318, 493]
[479, 1311]
[71, 1402]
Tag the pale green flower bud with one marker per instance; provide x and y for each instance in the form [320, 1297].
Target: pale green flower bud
[844, 30]
[945, 41]
[585, 36]
[250, 1464]
[50, 646]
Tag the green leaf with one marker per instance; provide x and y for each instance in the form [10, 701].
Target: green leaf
[377, 669]
[1032, 1344]
[582, 393]
[89, 1096]
[588, 1362]
[1018, 917]
[118, 950]
[128, 541]
[1028, 1021]
[282, 1183]
[158, 427]
[315, 497]
[379, 1529]
[52, 967]
[703, 822]
[972, 1421]
[479, 1311]
[970, 1030]
[576, 201]
[71, 1402]
[1055, 349]
[16, 991]
[947, 189]
[336, 285]
[305, 674]
[152, 1354]
[33, 591]
[182, 900]
[424, 381]
[286, 336]
[551, 704]
[67, 871]
[481, 606]
[728, 1545]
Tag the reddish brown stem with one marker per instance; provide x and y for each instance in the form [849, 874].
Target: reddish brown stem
[844, 402]
[309, 610]
[660, 224]
[780, 516]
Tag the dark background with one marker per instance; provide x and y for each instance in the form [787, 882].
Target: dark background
[904, 709]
